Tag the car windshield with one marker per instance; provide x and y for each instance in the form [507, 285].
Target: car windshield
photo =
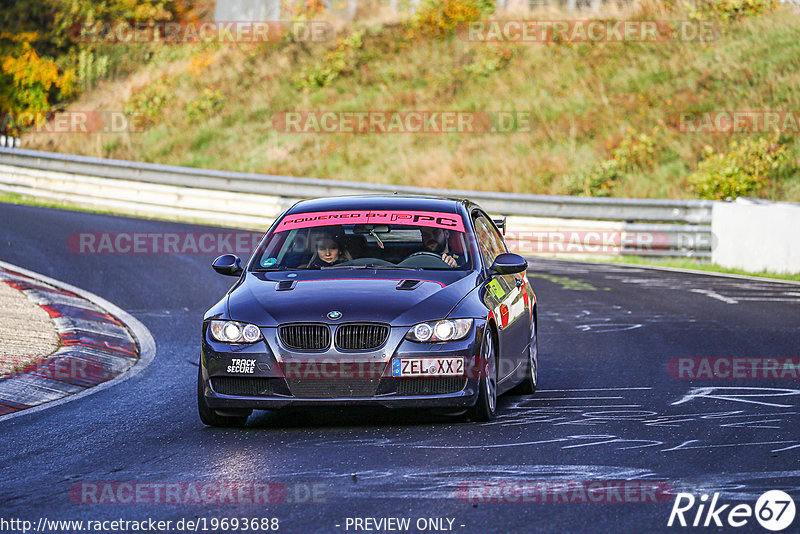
[358, 240]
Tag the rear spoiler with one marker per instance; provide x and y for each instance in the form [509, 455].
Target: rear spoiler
[501, 224]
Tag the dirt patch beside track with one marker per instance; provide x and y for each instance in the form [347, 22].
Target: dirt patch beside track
[27, 333]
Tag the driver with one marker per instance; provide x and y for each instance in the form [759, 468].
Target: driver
[437, 240]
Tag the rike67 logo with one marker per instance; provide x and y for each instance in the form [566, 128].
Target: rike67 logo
[774, 510]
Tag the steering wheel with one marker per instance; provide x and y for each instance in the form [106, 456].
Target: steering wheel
[425, 253]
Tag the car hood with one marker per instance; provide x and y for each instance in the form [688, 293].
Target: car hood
[358, 296]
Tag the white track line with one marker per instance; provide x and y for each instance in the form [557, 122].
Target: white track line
[590, 389]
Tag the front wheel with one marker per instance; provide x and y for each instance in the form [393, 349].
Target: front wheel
[210, 417]
[486, 407]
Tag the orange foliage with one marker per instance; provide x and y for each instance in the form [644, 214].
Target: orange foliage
[27, 80]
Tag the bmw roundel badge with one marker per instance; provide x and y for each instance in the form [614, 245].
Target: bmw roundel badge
[333, 315]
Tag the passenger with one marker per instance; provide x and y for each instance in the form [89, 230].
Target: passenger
[436, 240]
[328, 252]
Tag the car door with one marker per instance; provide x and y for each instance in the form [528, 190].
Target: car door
[504, 295]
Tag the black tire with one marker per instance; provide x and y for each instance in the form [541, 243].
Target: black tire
[210, 417]
[485, 408]
[531, 381]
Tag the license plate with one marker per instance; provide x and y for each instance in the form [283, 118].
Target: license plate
[428, 367]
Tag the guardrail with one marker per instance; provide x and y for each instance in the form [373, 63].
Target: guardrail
[682, 227]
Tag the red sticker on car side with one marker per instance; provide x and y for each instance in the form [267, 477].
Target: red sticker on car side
[504, 315]
[432, 219]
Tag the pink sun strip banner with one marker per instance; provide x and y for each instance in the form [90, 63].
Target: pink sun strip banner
[432, 219]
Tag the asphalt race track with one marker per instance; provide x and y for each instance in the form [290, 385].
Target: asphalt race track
[611, 407]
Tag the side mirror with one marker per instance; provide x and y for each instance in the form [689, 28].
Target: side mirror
[228, 264]
[508, 263]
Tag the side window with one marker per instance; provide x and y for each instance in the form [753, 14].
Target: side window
[489, 242]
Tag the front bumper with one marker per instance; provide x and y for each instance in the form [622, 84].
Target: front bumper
[275, 377]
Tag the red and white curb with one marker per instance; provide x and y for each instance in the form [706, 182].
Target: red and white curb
[101, 345]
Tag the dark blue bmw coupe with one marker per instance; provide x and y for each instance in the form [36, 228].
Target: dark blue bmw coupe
[399, 301]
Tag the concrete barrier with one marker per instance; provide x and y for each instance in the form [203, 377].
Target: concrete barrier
[757, 236]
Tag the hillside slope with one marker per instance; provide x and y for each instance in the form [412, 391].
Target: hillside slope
[604, 115]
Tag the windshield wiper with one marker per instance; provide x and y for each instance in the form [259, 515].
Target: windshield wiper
[395, 267]
[371, 266]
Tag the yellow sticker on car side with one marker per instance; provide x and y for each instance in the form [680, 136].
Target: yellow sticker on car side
[496, 289]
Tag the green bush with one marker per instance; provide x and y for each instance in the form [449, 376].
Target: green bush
[210, 102]
[148, 102]
[729, 10]
[495, 59]
[338, 62]
[746, 169]
[635, 152]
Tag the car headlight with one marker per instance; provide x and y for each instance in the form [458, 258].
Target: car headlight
[233, 332]
[444, 330]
